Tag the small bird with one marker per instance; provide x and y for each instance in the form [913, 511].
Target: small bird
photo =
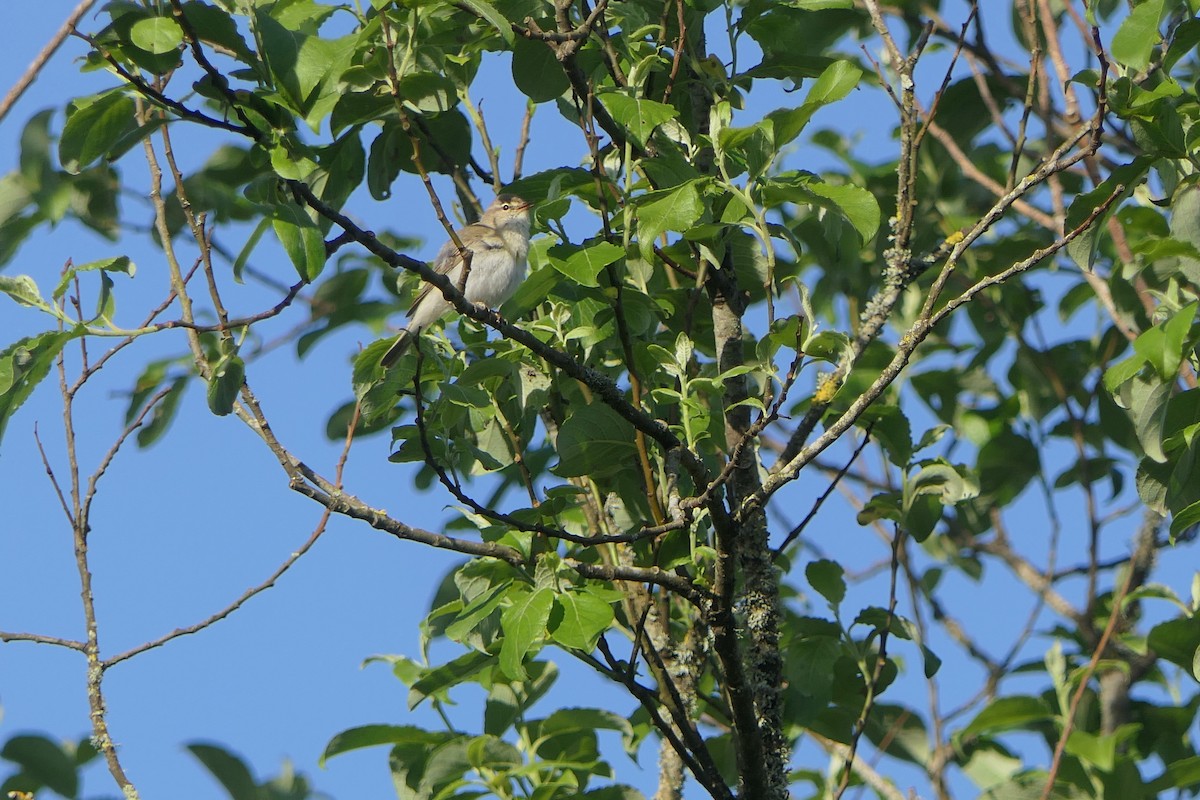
[499, 245]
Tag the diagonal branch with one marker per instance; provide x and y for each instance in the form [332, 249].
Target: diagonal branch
[51, 47]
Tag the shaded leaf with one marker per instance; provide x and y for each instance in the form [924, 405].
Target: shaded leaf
[375, 735]
[1008, 713]
[301, 240]
[45, 761]
[594, 439]
[93, 127]
[225, 383]
[229, 770]
[827, 578]
[438, 679]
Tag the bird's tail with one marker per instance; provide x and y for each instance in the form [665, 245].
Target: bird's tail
[397, 349]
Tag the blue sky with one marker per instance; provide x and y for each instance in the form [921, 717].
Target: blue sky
[181, 529]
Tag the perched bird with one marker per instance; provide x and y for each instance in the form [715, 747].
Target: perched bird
[499, 244]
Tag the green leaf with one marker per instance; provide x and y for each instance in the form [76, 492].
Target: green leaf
[1184, 226]
[536, 71]
[1177, 775]
[639, 117]
[94, 126]
[225, 383]
[432, 772]
[428, 92]
[987, 763]
[214, 25]
[566, 720]
[818, 5]
[156, 34]
[881, 619]
[281, 50]
[1176, 640]
[479, 609]
[121, 264]
[1008, 713]
[890, 428]
[594, 439]
[301, 240]
[579, 620]
[755, 145]
[24, 364]
[1006, 464]
[375, 735]
[1180, 522]
[24, 290]
[1147, 398]
[289, 166]
[492, 753]
[243, 256]
[229, 770]
[1121, 182]
[162, 415]
[854, 203]
[487, 11]
[1164, 345]
[827, 578]
[939, 478]
[931, 661]
[582, 265]
[1138, 35]
[834, 83]
[45, 761]
[884, 505]
[439, 679]
[901, 730]
[617, 791]
[524, 624]
[676, 209]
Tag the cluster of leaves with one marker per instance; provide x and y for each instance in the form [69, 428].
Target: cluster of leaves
[43, 763]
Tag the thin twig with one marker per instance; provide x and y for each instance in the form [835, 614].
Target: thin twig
[872, 681]
[269, 582]
[523, 140]
[39, 61]
[112, 451]
[62, 498]
[39, 638]
[797, 530]
[1084, 679]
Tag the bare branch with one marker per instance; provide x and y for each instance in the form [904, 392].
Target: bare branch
[35, 67]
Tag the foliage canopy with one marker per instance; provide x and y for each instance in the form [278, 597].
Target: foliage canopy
[731, 306]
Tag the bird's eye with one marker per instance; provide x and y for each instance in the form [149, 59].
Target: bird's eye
[506, 207]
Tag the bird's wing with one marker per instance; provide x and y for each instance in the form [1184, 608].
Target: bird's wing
[448, 258]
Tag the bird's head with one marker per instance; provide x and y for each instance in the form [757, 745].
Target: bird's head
[507, 209]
